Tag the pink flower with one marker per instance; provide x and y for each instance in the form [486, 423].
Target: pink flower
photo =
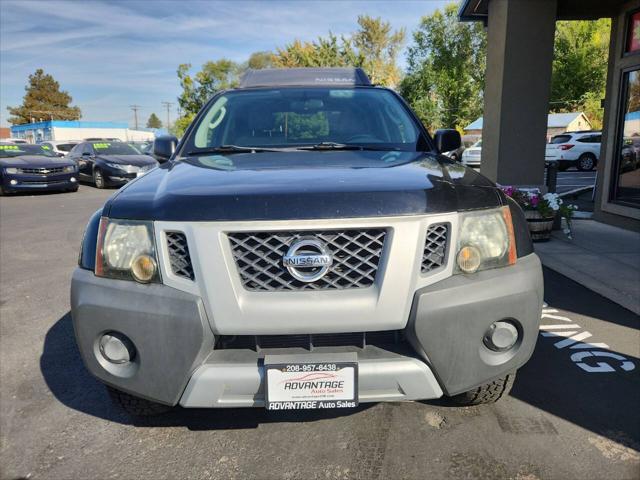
[534, 200]
[508, 191]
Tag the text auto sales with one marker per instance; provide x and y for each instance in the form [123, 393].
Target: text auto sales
[310, 404]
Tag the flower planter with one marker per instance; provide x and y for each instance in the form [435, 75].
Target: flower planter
[539, 226]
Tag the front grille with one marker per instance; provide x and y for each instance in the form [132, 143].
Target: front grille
[435, 247]
[179, 257]
[356, 255]
[42, 171]
[309, 342]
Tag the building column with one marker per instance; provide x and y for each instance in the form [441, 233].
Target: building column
[517, 89]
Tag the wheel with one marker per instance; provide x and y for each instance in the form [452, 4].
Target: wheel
[98, 179]
[586, 162]
[488, 393]
[136, 406]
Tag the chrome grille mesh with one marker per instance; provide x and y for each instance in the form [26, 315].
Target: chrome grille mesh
[356, 255]
[42, 171]
[179, 254]
[435, 247]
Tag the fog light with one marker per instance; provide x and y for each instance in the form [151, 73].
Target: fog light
[143, 268]
[72, 179]
[469, 259]
[116, 348]
[501, 336]
[13, 182]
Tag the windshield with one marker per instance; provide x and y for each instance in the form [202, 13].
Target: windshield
[294, 117]
[23, 149]
[115, 148]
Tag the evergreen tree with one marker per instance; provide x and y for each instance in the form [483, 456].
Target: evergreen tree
[154, 121]
[43, 100]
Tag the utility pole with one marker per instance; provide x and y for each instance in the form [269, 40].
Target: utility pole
[168, 105]
[135, 109]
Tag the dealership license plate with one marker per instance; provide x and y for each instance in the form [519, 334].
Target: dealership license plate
[295, 382]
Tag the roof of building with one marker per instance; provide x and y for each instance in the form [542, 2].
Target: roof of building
[275, 77]
[478, 10]
[67, 124]
[554, 120]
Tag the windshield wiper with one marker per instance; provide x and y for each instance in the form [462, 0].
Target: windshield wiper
[341, 146]
[231, 149]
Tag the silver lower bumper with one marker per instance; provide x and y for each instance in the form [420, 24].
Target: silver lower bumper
[234, 378]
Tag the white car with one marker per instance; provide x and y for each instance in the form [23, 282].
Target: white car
[60, 148]
[472, 155]
[575, 149]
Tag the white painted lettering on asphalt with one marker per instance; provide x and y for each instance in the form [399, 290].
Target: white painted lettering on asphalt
[573, 338]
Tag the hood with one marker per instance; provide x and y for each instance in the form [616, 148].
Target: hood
[137, 160]
[302, 185]
[34, 161]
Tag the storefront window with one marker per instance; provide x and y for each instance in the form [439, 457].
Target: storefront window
[633, 33]
[626, 188]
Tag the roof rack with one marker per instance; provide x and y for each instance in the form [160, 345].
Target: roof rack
[278, 77]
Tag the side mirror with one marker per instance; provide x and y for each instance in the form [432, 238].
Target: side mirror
[447, 139]
[163, 147]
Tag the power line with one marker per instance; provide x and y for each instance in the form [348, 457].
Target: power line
[135, 109]
[168, 105]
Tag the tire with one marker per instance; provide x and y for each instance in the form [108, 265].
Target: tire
[98, 179]
[136, 406]
[586, 162]
[488, 393]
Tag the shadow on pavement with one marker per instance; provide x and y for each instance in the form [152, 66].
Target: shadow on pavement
[605, 403]
[71, 383]
[563, 293]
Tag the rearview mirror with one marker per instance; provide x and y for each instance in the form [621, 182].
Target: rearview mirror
[163, 147]
[447, 139]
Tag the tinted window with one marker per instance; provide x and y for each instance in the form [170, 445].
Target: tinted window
[305, 116]
[626, 178]
[560, 139]
[113, 148]
[66, 147]
[24, 149]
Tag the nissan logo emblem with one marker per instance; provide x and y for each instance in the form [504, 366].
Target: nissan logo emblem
[308, 260]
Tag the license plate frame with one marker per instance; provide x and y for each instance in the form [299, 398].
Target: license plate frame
[334, 374]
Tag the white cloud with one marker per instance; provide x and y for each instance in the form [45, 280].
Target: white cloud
[111, 54]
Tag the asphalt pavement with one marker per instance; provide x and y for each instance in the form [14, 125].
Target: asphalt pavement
[573, 412]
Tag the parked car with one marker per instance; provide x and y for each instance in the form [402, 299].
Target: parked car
[575, 149]
[60, 148]
[142, 147]
[306, 246]
[108, 164]
[472, 156]
[25, 167]
[14, 140]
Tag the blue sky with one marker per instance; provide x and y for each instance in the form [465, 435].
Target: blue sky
[111, 54]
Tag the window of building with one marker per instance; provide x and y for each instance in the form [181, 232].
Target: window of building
[626, 174]
[633, 33]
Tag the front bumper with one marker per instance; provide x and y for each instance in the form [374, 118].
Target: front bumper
[25, 182]
[176, 361]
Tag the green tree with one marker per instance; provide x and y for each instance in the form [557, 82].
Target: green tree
[43, 99]
[199, 88]
[154, 121]
[445, 75]
[374, 47]
[260, 60]
[580, 67]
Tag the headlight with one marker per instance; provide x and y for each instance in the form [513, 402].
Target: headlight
[69, 169]
[119, 166]
[485, 240]
[126, 250]
[11, 170]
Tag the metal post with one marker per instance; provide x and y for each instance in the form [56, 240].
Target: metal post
[552, 177]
